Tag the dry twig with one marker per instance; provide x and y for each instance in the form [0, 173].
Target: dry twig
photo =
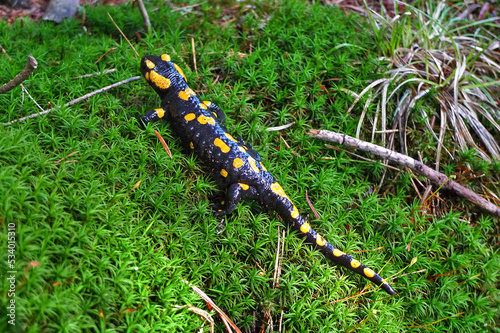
[31, 65]
[79, 99]
[145, 16]
[435, 177]
[107, 71]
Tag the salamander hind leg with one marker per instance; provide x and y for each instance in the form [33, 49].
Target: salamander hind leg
[249, 149]
[216, 111]
[235, 193]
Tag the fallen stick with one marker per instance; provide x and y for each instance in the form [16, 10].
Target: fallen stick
[79, 99]
[435, 177]
[31, 65]
[145, 16]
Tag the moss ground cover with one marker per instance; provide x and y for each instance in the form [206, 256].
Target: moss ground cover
[107, 226]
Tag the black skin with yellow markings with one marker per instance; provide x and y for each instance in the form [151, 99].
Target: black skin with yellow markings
[234, 164]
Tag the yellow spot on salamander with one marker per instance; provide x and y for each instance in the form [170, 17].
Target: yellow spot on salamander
[160, 112]
[305, 228]
[355, 263]
[244, 186]
[276, 188]
[230, 137]
[262, 165]
[147, 76]
[206, 120]
[150, 64]
[203, 106]
[368, 272]
[237, 163]
[223, 173]
[295, 212]
[219, 143]
[253, 164]
[240, 148]
[320, 240]
[159, 81]
[338, 253]
[190, 116]
[165, 57]
[178, 69]
[207, 103]
[184, 94]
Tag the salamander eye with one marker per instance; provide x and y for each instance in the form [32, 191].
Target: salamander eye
[165, 57]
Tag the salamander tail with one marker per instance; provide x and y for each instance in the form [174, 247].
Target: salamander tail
[290, 214]
[340, 257]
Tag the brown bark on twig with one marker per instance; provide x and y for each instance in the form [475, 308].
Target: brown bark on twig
[435, 177]
[79, 99]
[31, 65]
[145, 16]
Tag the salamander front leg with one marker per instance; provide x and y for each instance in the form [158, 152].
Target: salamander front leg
[153, 116]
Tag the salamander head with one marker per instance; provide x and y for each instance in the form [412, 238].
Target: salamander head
[161, 73]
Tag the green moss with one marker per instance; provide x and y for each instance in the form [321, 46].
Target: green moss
[103, 256]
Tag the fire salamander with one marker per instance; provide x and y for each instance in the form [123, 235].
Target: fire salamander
[234, 163]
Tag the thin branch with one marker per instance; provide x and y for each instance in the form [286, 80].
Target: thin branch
[435, 177]
[186, 7]
[145, 16]
[31, 65]
[79, 99]
[107, 71]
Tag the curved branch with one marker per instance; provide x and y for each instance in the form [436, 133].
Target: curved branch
[95, 92]
[31, 65]
[435, 177]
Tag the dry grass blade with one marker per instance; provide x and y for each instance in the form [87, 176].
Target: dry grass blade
[163, 143]
[436, 55]
[367, 104]
[227, 321]
[202, 313]
[373, 84]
